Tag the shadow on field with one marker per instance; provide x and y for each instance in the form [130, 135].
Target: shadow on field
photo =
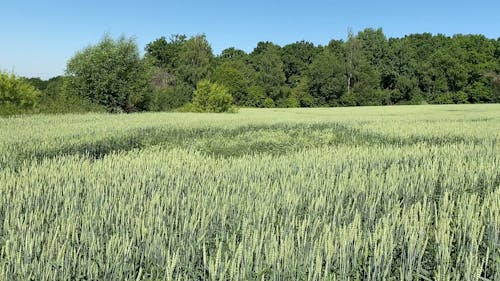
[227, 142]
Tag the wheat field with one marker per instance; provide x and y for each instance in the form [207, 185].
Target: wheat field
[365, 193]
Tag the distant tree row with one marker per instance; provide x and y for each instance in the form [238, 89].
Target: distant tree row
[366, 69]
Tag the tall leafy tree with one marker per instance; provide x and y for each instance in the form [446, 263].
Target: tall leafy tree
[195, 60]
[365, 81]
[235, 71]
[234, 76]
[362, 77]
[300, 94]
[327, 79]
[112, 74]
[180, 62]
[233, 54]
[375, 46]
[399, 61]
[266, 60]
[256, 97]
[495, 82]
[449, 62]
[296, 59]
[165, 54]
[264, 46]
[353, 57]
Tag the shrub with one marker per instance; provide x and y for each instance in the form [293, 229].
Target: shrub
[212, 97]
[268, 102]
[348, 99]
[460, 97]
[292, 101]
[16, 95]
[169, 98]
[57, 99]
[444, 98]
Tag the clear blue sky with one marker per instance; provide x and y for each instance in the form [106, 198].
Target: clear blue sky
[38, 37]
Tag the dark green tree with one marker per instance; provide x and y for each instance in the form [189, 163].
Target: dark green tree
[480, 92]
[233, 54]
[256, 97]
[300, 96]
[264, 46]
[296, 58]
[232, 75]
[399, 61]
[337, 47]
[374, 46]
[327, 79]
[36, 82]
[407, 90]
[449, 64]
[266, 60]
[195, 60]
[59, 98]
[365, 82]
[170, 97]
[362, 77]
[165, 54]
[169, 90]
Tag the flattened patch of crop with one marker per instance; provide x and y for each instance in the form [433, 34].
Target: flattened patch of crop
[222, 141]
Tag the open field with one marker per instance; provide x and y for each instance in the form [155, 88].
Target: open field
[365, 193]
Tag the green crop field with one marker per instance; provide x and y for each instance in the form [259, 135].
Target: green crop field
[365, 193]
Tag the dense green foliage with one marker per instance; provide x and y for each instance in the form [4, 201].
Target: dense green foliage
[211, 97]
[16, 95]
[57, 97]
[364, 193]
[366, 69]
[111, 74]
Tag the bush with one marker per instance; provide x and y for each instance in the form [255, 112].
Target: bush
[417, 98]
[58, 99]
[169, 98]
[292, 101]
[268, 103]
[444, 98]
[460, 97]
[383, 96]
[189, 107]
[348, 99]
[16, 95]
[212, 97]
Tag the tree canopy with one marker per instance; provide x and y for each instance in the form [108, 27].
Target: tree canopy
[366, 69]
[112, 74]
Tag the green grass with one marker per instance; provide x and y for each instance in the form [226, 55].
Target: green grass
[368, 193]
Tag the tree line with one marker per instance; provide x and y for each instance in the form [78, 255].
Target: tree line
[366, 69]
